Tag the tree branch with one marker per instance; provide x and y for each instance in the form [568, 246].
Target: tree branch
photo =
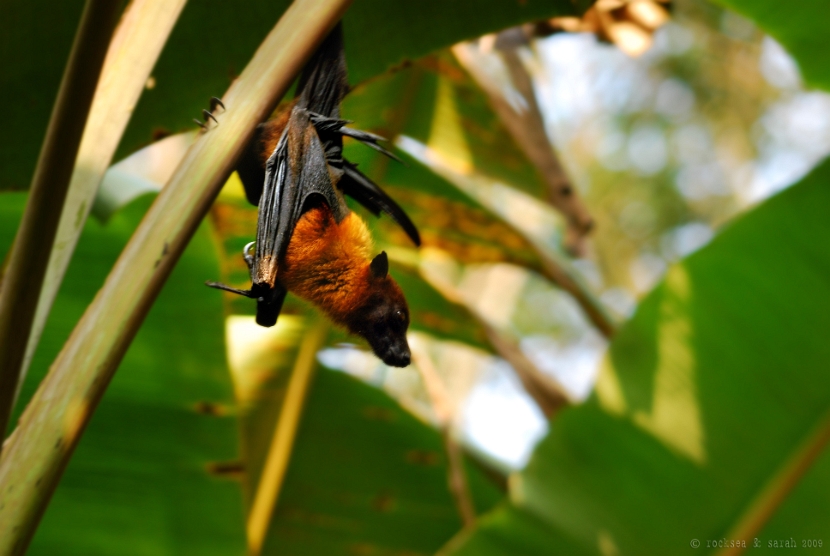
[549, 395]
[526, 126]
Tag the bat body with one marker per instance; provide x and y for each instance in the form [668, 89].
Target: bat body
[308, 241]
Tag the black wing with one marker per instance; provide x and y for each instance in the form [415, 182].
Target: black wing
[366, 192]
[320, 91]
[296, 170]
[307, 160]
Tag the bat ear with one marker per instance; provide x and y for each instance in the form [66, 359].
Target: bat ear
[380, 265]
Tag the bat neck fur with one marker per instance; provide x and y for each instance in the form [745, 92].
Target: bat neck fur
[328, 263]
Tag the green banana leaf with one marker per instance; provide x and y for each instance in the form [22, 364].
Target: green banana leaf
[708, 428]
[363, 471]
[208, 49]
[711, 414]
[150, 475]
[366, 477]
[799, 26]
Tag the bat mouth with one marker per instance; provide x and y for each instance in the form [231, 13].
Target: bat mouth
[396, 356]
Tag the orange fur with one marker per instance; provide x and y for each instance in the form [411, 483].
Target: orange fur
[328, 264]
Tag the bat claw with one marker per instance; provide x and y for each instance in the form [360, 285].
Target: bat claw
[208, 116]
[319, 119]
[246, 254]
[214, 102]
[223, 287]
[326, 124]
[370, 140]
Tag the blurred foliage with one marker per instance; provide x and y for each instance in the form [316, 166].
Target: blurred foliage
[672, 145]
[208, 48]
[147, 478]
[798, 28]
[387, 493]
[698, 429]
[695, 427]
[692, 412]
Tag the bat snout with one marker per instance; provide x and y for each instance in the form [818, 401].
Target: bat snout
[393, 351]
[397, 356]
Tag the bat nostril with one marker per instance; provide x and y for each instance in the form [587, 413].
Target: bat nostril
[404, 357]
[397, 357]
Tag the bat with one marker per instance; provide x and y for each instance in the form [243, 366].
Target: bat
[308, 242]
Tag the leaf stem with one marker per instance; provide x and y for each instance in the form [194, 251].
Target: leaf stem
[526, 126]
[779, 487]
[549, 395]
[52, 424]
[132, 53]
[279, 455]
[445, 413]
[22, 281]
[555, 265]
[546, 392]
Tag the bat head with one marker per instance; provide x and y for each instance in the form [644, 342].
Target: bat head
[384, 316]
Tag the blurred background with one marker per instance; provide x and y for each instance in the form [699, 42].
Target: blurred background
[582, 382]
[666, 139]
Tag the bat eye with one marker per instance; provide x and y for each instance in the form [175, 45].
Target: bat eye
[400, 315]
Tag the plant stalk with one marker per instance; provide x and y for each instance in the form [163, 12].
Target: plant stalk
[52, 424]
[133, 51]
[526, 126]
[549, 395]
[445, 414]
[778, 488]
[285, 431]
[22, 281]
